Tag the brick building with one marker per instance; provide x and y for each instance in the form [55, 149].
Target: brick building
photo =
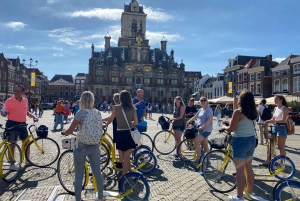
[61, 87]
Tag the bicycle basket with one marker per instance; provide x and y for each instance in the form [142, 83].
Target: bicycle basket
[165, 125]
[218, 142]
[190, 133]
[12, 136]
[42, 131]
[68, 143]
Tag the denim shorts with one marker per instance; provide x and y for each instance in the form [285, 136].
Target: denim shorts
[281, 130]
[204, 134]
[23, 130]
[179, 128]
[243, 147]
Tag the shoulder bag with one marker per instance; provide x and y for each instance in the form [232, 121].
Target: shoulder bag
[135, 134]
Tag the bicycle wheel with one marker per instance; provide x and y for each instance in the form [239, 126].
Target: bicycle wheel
[140, 149]
[219, 173]
[104, 156]
[288, 190]
[66, 171]
[146, 140]
[42, 152]
[188, 150]
[149, 159]
[282, 162]
[8, 156]
[138, 183]
[164, 142]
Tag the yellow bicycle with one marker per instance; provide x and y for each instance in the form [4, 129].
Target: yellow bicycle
[40, 151]
[220, 171]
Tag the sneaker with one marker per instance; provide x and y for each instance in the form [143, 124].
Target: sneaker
[176, 157]
[235, 197]
[13, 167]
[119, 165]
[250, 197]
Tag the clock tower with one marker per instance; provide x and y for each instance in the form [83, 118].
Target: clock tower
[133, 24]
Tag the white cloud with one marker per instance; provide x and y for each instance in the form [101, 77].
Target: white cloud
[57, 48]
[66, 35]
[115, 14]
[58, 55]
[15, 25]
[156, 37]
[279, 59]
[20, 47]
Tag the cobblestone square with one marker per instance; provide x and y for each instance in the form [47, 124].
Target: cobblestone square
[172, 180]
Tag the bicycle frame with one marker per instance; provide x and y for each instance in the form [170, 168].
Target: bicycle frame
[171, 132]
[4, 144]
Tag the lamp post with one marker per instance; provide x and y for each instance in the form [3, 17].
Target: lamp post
[32, 77]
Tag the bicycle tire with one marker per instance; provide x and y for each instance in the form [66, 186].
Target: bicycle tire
[219, 180]
[140, 149]
[290, 194]
[161, 145]
[104, 156]
[141, 189]
[289, 167]
[188, 150]
[66, 172]
[49, 154]
[147, 140]
[149, 158]
[9, 175]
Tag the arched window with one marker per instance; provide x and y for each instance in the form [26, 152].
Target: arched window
[138, 81]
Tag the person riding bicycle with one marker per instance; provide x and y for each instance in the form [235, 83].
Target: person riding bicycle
[243, 141]
[16, 110]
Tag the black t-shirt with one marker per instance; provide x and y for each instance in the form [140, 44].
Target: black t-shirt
[189, 110]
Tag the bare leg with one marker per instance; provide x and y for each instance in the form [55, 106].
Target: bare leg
[178, 135]
[199, 140]
[126, 163]
[240, 176]
[249, 175]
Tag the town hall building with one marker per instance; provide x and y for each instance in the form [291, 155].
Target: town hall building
[134, 65]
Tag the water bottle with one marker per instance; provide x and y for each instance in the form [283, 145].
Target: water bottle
[3, 110]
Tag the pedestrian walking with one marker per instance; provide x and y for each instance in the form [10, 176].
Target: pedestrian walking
[41, 111]
[218, 114]
[149, 110]
[227, 112]
[263, 129]
[82, 150]
[59, 115]
[243, 141]
[67, 111]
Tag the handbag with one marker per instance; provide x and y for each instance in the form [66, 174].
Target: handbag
[135, 134]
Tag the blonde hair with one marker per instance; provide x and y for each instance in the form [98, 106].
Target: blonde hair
[181, 101]
[87, 100]
[116, 97]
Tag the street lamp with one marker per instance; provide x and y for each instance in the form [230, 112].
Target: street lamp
[32, 77]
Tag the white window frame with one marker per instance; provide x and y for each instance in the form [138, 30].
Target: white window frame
[240, 87]
[245, 84]
[252, 77]
[240, 79]
[275, 85]
[276, 73]
[252, 91]
[258, 92]
[298, 81]
[297, 66]
[257, 76]
[287, 84]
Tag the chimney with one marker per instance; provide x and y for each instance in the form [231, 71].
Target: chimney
[163, 45]
[107, 41]
[93, 48]
[269, 57]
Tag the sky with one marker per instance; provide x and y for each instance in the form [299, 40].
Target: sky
[203, 33]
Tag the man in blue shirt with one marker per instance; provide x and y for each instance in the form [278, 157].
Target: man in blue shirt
[140, 105]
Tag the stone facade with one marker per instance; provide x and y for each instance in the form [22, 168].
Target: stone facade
[62, 87]
[133, 65]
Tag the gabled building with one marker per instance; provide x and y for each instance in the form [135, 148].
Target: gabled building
[295, 68]
[207, 88]
[198, 85]
[61, 87]
[189, 78]
[133, 64]
[218, 86]
[81, 85]
[3, 77]
[282, 76]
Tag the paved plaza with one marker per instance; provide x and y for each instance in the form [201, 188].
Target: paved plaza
[172, 180]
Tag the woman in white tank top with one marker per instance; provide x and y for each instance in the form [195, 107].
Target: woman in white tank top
[279, 118]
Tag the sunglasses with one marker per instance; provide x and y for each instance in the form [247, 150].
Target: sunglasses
[17, 91]
[203, 100]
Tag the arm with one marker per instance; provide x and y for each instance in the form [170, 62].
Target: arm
[182, 111]
[135, 119]
[235, 105]
[144, 114]
[209, 120]
[32, 116]
[112, 116]
[272, 120]
[106, 119]
[234, 121]
[71, 128]
[285, 114]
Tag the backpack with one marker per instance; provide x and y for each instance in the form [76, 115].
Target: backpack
[267, 114]
[163, 122]
[290, 125]
[91, 131]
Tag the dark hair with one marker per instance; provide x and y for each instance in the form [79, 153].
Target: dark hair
[281, 97]
[126, 100]
[263, 101]
[247, 104]
[20, 85]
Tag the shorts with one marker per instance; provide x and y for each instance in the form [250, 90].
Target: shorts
[178, 128]
[23, 130]
[243, 147]
[204, 134]
[281, 130]
[124, 140]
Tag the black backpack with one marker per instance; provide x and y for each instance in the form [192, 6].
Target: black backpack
[267, 114]
[163, 122]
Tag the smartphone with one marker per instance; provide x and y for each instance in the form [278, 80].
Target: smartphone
[235, 93]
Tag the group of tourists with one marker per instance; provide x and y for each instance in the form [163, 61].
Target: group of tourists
[62, 112]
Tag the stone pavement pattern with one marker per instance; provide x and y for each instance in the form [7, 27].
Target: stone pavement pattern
[172, 180]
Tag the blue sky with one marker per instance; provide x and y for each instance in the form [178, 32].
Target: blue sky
[204, 33]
